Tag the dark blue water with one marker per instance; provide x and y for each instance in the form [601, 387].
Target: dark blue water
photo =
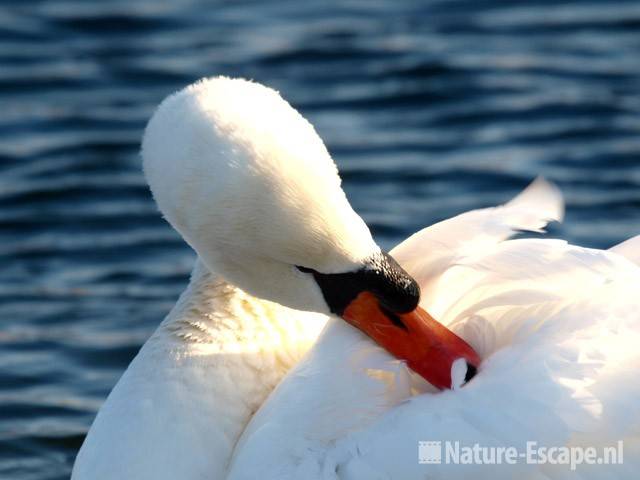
[429, 108]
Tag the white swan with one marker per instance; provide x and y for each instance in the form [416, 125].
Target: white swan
[250, 186]
[558, 327]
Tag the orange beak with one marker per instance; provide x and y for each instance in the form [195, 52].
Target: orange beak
[429, 348]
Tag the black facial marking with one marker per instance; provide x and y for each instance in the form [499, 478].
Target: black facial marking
[471, 372]
[394, 318]
[382, 276]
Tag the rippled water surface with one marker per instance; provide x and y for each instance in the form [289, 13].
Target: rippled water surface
[429, 109]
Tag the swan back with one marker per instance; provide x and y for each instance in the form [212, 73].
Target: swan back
[556, 324]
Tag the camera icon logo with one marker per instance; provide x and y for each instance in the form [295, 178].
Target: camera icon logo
[429, 452]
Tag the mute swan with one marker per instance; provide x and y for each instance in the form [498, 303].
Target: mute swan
[558, 327]
[250, 186]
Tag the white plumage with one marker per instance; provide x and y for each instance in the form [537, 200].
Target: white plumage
[558, 327]
[180, 407]
[228, 162]
[248, 183]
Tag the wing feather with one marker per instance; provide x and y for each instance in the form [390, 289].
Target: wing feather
[557, 326]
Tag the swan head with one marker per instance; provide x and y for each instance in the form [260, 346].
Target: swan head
[250, 186]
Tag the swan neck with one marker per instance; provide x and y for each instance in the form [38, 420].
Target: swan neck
[213, 316]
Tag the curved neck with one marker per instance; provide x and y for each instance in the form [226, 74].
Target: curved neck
[240, 346]
[194, 385]
[213, 317]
